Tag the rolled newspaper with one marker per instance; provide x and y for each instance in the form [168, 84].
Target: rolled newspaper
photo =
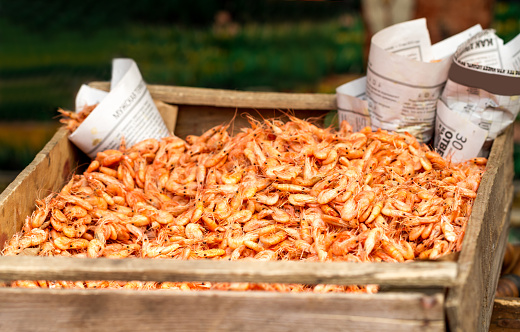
[126, 111]
[352, 104]
[481, 97]
[406, 75]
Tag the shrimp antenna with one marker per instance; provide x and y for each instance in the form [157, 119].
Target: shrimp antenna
[232, 121]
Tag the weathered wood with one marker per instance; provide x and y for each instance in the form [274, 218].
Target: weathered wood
[51, 168]
[168, 113]
[469, 304]
[180, 95]
[414, 274]
[122, 310]
[506, 315]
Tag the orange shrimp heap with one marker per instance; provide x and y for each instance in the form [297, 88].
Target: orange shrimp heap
[274, 191]
[72, 120]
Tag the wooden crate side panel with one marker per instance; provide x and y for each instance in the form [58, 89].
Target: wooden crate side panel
[180, 95]
[168, 113]
[469, 304]
[49, 171]
[414, 274]
[121, 310]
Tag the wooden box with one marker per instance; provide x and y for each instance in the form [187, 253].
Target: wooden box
[417, 296]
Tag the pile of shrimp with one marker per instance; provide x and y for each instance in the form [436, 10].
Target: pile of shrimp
[72, 120]
[274, 191]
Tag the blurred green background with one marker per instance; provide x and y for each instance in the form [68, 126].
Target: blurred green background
[49, 48]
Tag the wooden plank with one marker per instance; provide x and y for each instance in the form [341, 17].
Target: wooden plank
[49, 171]
[123, 310]
[413, 274]
[469, 303]
[180, 95]
[506, 315]
[168, 113]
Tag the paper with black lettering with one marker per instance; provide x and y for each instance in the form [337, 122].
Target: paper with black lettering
[352, 105]
[126, 111]
[483, 87]
[406, 75]
[457, 137]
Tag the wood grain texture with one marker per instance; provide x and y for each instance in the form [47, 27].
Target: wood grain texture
[469, 304]
[168, 113]
[180, 95]
[123, 310]
[414, 274]
[506, 315]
